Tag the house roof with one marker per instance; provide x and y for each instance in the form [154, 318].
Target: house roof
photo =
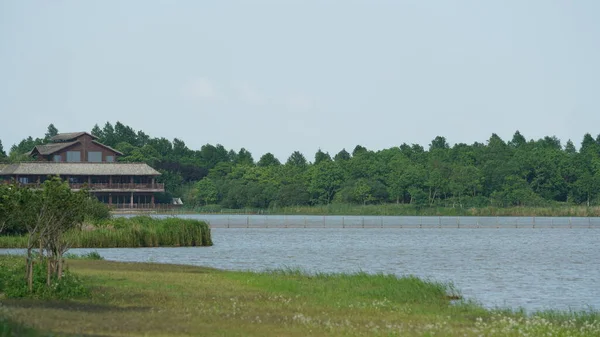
[61, 137]
[108, 147]
[47, 149]
[92, 169]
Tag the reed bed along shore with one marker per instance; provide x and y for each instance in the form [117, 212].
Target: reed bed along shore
[143, 299]
[408, 210]
[132, 232]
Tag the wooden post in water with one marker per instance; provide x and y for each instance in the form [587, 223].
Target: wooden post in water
[228, 221]
[457, 222]
[343, 224]
[439, 222]
[247, 221]
[363, 222]
[381, 218]
[304, 222]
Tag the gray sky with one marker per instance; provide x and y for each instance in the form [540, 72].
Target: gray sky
[279, 76]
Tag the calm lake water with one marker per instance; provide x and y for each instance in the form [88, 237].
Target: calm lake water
[533, 268]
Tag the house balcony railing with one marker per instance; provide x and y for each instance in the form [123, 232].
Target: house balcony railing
[118, 186]
[110, 187]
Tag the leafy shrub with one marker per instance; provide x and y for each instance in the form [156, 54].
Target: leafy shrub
[96, 210]
[14, 285]
[89, 256]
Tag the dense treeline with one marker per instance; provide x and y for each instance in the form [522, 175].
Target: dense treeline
[498, 173]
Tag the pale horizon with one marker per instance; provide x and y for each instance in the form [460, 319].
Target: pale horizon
[291, 76]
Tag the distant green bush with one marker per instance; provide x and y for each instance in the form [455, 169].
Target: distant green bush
[88, 256]
[96, 210]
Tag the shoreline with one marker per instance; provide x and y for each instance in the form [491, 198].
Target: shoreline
[383, 210]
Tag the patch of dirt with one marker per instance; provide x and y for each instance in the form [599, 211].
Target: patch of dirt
[69, 306]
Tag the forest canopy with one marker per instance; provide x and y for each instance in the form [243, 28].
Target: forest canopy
[517, 172]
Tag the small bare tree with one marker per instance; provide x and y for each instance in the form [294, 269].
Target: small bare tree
[47, 214]
[21, 207]
[60, 210]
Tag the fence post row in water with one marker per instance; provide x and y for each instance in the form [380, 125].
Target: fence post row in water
[308, 221]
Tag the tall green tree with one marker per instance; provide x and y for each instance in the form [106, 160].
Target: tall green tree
[518, 140]
[321, 156]
[244, 157]
[297, 159]
[124, 133]
[2, 153]
[439, 143]
[342, 155]
[212, 155]
[207, 191]
[109, 138]
[96, 131]
[52, 131]
[325, 179]
[268, 159]
[358, 150]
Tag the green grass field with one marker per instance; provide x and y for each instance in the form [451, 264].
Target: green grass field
[141, 299]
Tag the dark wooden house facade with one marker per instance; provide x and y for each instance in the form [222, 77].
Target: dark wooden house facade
[75, 147]
[85, 163]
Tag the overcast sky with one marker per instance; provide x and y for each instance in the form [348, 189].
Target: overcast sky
[279, 76]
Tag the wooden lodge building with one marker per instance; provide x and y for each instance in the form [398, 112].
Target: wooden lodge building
[84, 162]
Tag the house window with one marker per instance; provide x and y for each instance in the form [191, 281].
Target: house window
[110, 159]
[94, 157]
[24, 180]
[57, 158]
[73, 156]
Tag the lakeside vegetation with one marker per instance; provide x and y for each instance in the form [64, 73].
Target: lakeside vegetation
[140, 299]
[402, 209]
[49, 220]
[132, 232]
[532, 175]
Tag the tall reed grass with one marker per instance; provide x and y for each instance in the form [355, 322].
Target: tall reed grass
[558, 210]
[133, 232]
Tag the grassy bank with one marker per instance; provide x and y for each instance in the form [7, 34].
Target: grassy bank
[406, 209]
[133, 299]
[131, 232]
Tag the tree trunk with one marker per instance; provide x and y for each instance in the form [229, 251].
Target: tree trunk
[432, 200]
[29, 269]
[588, 200]
[49, 272]
[30, 275]
[60, 267]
